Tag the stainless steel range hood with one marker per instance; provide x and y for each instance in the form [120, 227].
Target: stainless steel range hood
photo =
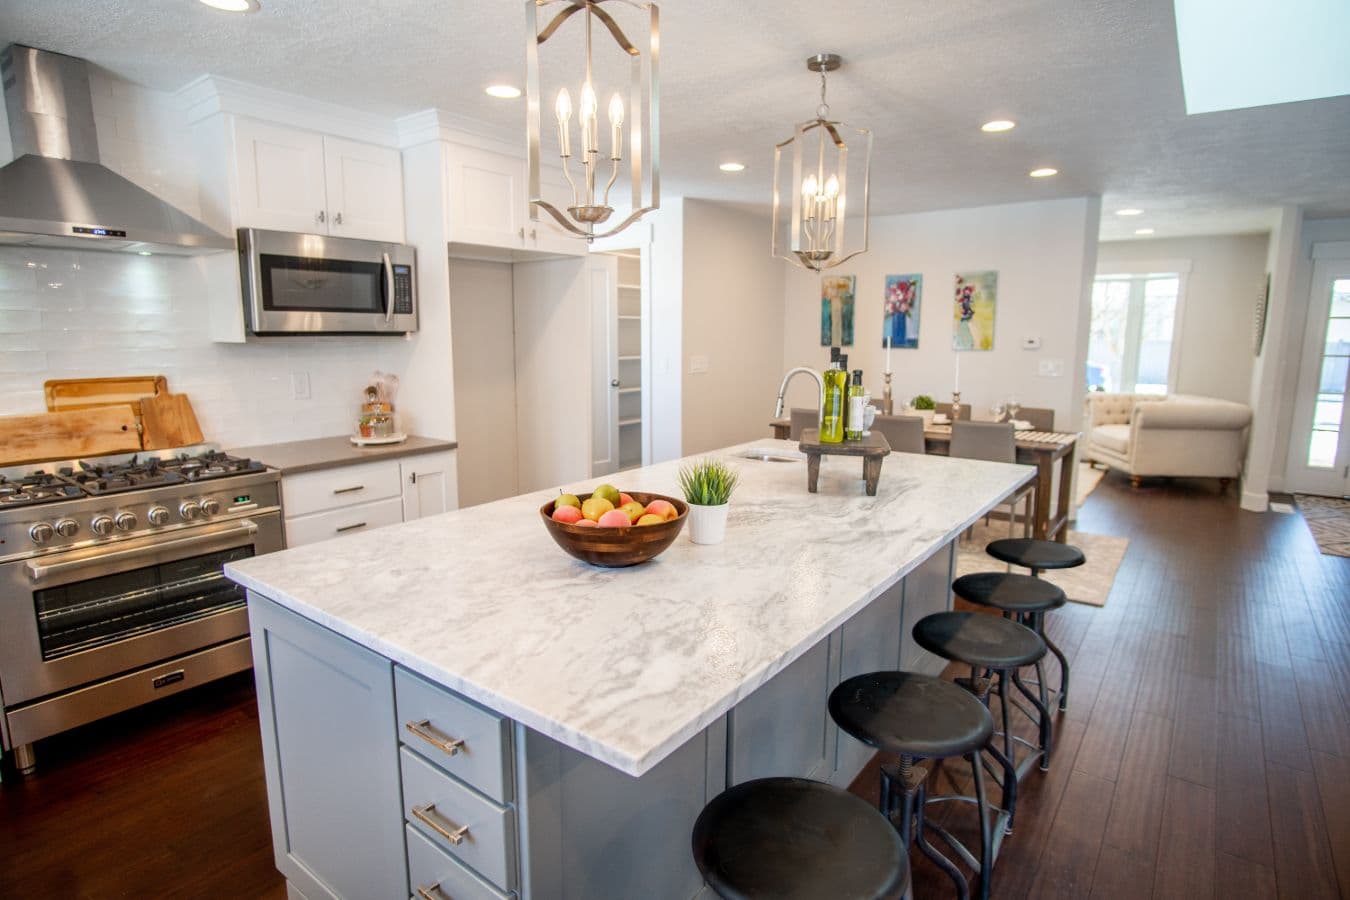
[56, 193]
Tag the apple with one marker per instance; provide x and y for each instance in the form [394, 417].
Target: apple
[595, 507]
[608, 492]
[625, 499]
[650, 519]
[567, 500]
[584, 523]
[633, 510]
[663, 508]
[569, 514]
[615, 518]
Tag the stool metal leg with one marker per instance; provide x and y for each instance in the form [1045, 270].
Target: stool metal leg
[942, 862]
[1063, 671]
[1043, 720]
[986, 840]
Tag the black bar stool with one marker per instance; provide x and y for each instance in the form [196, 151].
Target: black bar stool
[920, 717]
[796, 839]
[1038, 556]
[989, 644]
[1020, 597]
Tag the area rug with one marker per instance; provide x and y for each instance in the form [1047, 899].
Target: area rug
[1090, 583]
[1088, 479]
[1328, 519]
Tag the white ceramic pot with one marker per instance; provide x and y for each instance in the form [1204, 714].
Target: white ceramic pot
[708, 524]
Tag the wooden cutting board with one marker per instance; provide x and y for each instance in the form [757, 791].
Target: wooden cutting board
[167, 421]
[86, 393]
[63, 435]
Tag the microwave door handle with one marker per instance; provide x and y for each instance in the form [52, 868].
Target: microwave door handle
[388, 289]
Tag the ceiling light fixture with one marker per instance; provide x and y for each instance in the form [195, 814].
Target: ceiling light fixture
[590, 207]
[1143, 231]
[998, 125]
[1044, 172]
[1129, 212]
[813, 168]
[502, 91]
[234, 6]
[732, 167]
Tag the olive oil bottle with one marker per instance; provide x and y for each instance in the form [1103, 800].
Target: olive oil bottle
[832, 413]
[853, 428]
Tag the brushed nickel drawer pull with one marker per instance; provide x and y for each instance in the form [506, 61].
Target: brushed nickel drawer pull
[423, 814]
[431, 892]
[342, 528]
[350, 490]
[423, 729]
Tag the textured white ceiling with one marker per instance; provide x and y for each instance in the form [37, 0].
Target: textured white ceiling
[1094, 85]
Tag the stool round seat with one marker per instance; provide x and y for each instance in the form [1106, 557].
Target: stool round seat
[908, 713]
[1009, 591]
[979, 639]
[797, 839]
[1031, 553]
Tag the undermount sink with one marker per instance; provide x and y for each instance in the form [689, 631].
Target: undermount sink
[772, 454]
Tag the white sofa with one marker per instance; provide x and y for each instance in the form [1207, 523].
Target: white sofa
[1177, 435]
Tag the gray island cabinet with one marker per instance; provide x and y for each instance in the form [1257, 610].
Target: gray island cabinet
[453, 708]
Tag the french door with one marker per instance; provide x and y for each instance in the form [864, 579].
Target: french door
[1319, 450]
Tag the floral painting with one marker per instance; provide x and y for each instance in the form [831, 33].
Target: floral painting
[976, 298]
[900, 328]
[836, 310]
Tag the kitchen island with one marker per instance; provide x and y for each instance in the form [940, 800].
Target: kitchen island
[455, 701]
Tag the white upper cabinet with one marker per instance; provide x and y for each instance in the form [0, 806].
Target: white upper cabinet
[293, 180]
[487, 204]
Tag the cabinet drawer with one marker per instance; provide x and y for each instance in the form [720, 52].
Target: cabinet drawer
[482, 760]
[311, 492]
[438, 805]
[437, 876]
[322, 526]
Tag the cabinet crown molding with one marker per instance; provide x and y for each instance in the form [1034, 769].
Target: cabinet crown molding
[212, 94]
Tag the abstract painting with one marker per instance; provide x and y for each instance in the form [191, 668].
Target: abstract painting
[900, 327]
[973, 315]
[836, 310]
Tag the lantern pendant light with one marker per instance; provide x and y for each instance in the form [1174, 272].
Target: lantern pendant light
[814, 179]
[590, 184]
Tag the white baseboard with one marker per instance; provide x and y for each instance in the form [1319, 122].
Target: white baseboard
[1254, 501]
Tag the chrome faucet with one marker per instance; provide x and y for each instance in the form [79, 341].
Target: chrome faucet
[820, 398]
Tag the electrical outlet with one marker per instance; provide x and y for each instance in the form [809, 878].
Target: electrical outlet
[300, 385]
[698, 365]
[1052, 368]
[1031, 342]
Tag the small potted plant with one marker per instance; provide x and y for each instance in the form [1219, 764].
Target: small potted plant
[707, 486]
[924, 406]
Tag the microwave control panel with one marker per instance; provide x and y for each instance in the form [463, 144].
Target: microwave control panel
[403, 291]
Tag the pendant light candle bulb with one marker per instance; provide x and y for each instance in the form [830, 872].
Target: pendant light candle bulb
[587, 119]
[616, 127]
[562, 110]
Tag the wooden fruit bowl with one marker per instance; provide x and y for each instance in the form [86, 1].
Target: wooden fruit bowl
[616, 547]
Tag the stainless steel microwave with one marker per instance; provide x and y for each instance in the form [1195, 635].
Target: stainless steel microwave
[315, 284]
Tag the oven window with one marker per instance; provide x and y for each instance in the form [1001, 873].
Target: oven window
[305, 284]
[88, 614]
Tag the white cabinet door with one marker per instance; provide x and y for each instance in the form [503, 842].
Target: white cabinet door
[487, 198]
[365, 190]
[546, 235]
[281, 178]
[429, 485]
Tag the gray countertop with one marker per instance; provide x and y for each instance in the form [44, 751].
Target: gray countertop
[294, 457]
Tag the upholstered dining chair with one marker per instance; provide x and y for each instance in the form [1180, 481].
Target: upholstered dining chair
[1041, 418]
[903, 433]
[993, 441]
[946, 410]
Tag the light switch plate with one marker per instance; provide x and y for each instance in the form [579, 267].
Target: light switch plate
[1051, 368]
[300, 385]
[698, 365]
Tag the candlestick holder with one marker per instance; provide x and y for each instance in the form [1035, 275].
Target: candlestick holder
[887, 403]
[956, 406]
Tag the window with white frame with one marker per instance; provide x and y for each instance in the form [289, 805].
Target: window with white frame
[1133, 326]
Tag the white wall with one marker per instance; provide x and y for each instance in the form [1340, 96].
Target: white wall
[666, 261]
[485, 379]
[1044, 253]
[733, 302]
[1227, 275]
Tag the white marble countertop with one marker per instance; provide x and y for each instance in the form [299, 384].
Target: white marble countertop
[625, 665]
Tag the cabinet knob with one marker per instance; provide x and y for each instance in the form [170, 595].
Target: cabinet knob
[522, 232]
[534, 233]
[337, 219]
[614, 382]
[321, 217]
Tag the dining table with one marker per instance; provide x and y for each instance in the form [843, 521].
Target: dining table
[1042, 449]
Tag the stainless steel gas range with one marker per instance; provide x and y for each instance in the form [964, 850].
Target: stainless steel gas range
[111, 589]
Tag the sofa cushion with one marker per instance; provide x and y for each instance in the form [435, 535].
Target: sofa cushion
[1113, 437]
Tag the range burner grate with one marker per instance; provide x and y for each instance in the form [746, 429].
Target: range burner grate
[38, 487]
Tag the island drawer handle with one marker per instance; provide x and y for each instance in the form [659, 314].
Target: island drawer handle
[350, 490]
[423, 729]
[423, 814]
[342, 528]
[431, 892]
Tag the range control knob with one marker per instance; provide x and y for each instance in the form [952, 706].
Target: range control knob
[101, 525]
[190, 509]
[158, 515]
[67, 527]
[41, 533]
[126, 521]
[210, 506]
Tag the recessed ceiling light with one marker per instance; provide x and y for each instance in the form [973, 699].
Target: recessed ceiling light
[1143, 231]
[999, 125]
[502, 91]
[732, 167]
[143, 252]
[235, 6]
[1044, 172]
[1129, 212]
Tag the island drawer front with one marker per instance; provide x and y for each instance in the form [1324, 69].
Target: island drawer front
[489, 839]
[301, 530]
[311, 492]
[484, 758]
[441, 877]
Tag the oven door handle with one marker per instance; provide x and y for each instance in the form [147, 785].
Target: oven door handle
[388, 288]
[39, 572]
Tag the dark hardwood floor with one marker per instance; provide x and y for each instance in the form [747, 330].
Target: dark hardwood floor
[1205, 753]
